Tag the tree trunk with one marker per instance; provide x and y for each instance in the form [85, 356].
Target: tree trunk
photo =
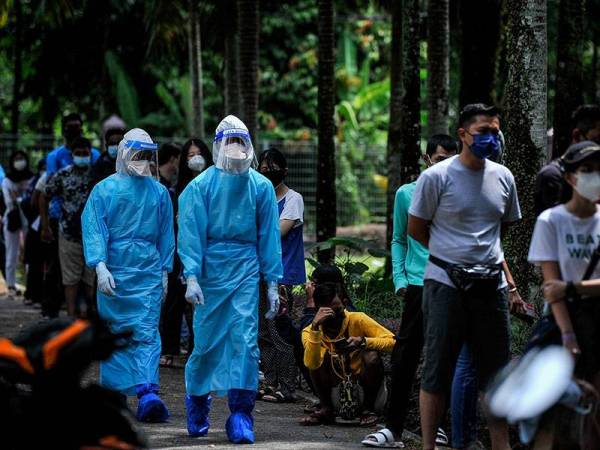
[18, 68]
[248, 47]
[326, 192]
[480, 29]
[525, 124]
[438, 65]
[195, 53]
[569, 72]
[594, 81]
[232, 78]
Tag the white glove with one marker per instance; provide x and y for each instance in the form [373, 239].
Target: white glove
[106, 282]
[193, 293]
[165, 283]
[273, 297]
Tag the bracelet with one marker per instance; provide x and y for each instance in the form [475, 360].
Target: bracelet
[512, 290]
[570, 291]
[568, 336]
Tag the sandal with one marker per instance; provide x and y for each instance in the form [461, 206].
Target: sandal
[263, 391]
[383, 438]
[166, 361]
[317, 418]
[368, 419]
[312, 407]
[441, 438]
[277, 397]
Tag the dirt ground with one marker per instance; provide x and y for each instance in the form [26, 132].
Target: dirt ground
[276, 425]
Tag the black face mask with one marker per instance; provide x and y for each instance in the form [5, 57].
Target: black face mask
[71, 133]
[335, 322]
[276, 176]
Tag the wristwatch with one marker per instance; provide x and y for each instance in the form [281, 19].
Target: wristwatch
[570, 291]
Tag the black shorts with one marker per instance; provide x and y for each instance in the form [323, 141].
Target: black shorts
[478, 317]
[585, 317]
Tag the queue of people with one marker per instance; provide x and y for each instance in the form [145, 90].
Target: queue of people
[152, 238]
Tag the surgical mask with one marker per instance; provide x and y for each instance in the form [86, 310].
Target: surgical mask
[113, 150]
[197, 163]
[82, 161]
[139, 168]
[276, 176]
[20, 164]
[588, 185]
[485, 145]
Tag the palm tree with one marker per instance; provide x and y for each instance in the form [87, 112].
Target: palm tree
[325, 192]
[480, 34]
[525, 121]
[438, 65]
[248, 21]
[569, 71]
[195, 63]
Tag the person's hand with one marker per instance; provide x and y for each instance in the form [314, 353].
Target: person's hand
[356, 341]
[165, 284]
[193, 292]
[401, 292]
[46, 234]
[554, 290]
[273, 298]
[322, 315]
[516, 303]
[106, 282]
[569, 341]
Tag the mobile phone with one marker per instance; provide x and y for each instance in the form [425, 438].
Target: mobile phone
[529, 316]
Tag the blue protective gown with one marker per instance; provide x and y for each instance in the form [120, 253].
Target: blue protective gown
[128, 224]
[228, 237]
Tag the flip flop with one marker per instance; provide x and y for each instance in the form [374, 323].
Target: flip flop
[383, 438]
[317, 418]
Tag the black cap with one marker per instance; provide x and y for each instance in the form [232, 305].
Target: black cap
[475, 109]
[327, 274]
[578, 153]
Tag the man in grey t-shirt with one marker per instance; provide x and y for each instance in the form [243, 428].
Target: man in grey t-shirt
[459, 210]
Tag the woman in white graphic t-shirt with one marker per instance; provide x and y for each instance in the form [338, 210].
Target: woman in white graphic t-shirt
[564, 239]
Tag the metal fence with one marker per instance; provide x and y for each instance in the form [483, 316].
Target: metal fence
[360, 175]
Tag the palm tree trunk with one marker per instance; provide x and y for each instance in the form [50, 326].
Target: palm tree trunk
[326, 192]
[248, 20]
[438, 65]
[195, 51]
[480, 33]
[525, 122]
[232, 78]
[18, 66]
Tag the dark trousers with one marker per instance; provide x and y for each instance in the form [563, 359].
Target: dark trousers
[405, 358]
[54, 296]
[174, 308]
[34, 258]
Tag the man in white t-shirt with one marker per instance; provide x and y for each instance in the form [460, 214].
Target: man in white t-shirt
[459, 208]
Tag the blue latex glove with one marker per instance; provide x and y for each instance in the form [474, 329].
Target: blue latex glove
[193, 293]
[165, 284]
[273, 298]
[106, 282]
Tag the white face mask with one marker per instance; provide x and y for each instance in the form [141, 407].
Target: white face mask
[196, 163]
[139, 168]
[588, 185]
[20, 164]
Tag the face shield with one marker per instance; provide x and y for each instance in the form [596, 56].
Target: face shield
[233, 151]
[137, 155]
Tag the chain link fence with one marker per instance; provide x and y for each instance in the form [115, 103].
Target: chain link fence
[360, 174]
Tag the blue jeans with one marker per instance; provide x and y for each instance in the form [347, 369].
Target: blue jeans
[463, 404]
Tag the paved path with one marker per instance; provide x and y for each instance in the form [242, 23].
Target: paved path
[276, 425]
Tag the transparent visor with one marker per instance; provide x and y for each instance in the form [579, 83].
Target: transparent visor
[233, 151]
[140, 158]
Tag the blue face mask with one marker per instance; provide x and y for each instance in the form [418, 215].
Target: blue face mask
[485, 145]
[82, 161]
[112, 151]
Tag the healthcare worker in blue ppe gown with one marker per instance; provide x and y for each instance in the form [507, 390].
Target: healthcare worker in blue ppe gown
[128, 238]
[228, 241]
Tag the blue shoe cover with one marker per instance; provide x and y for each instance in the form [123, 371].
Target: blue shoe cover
[198, 407]
[150, 407]
[240, 425]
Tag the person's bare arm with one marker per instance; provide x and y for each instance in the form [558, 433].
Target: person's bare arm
[45, 231]
[552, 283]
[285, 225]
[418, 229]
[515, 301]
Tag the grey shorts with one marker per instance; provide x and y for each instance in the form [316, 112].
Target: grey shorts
[451, 318]
[72, 263]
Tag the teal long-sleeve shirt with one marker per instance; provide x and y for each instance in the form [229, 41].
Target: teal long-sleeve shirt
[409, 257]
